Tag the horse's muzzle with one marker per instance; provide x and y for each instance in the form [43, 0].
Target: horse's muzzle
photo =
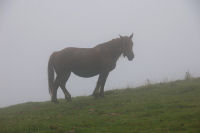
[130, 57]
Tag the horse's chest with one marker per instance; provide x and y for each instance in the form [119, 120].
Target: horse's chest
[110, 66]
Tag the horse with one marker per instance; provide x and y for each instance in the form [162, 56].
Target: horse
[87, 62]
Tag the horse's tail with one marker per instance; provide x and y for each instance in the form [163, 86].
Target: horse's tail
[50, 74]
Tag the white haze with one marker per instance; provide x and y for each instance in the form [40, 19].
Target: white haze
[166, 42]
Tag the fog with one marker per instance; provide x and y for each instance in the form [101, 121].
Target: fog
[166, 42]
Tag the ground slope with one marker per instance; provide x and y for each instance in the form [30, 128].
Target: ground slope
[159, 108]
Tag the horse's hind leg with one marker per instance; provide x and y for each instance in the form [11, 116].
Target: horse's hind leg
[55, 88]
[63, 84]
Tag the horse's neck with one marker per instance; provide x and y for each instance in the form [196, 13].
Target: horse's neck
[115, 49]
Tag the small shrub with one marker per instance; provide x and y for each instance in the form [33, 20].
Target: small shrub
[188, 76]
[147, 82]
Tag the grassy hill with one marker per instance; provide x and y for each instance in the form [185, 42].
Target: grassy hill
[159, 108]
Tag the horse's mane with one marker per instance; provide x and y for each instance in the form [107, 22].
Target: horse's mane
[113, 46]
[109, 43]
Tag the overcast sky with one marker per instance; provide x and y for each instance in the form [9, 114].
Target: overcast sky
[166, 42]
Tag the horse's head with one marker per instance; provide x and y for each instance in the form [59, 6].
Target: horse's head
[127, 46]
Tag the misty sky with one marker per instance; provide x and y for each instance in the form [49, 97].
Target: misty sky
[166, 42]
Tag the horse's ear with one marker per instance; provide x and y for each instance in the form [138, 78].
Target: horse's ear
[131, 36]
[120, 36]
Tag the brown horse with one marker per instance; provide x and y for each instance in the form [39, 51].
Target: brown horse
[87, 62]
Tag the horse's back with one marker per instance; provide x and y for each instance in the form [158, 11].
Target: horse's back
[79, 54]
[81, 61]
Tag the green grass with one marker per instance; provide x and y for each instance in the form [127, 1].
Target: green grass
[158, 108]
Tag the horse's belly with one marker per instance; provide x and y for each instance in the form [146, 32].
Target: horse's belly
[86, 67]
[85, 73]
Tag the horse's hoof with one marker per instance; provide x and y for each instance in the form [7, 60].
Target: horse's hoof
[95, 95]
[69, 100]
[101, 95]
[55, 101]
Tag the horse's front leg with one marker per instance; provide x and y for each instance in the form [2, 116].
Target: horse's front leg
[100, 84]
[96, 90]
[104, 78]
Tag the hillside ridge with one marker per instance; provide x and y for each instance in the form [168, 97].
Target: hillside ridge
[162, 107]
